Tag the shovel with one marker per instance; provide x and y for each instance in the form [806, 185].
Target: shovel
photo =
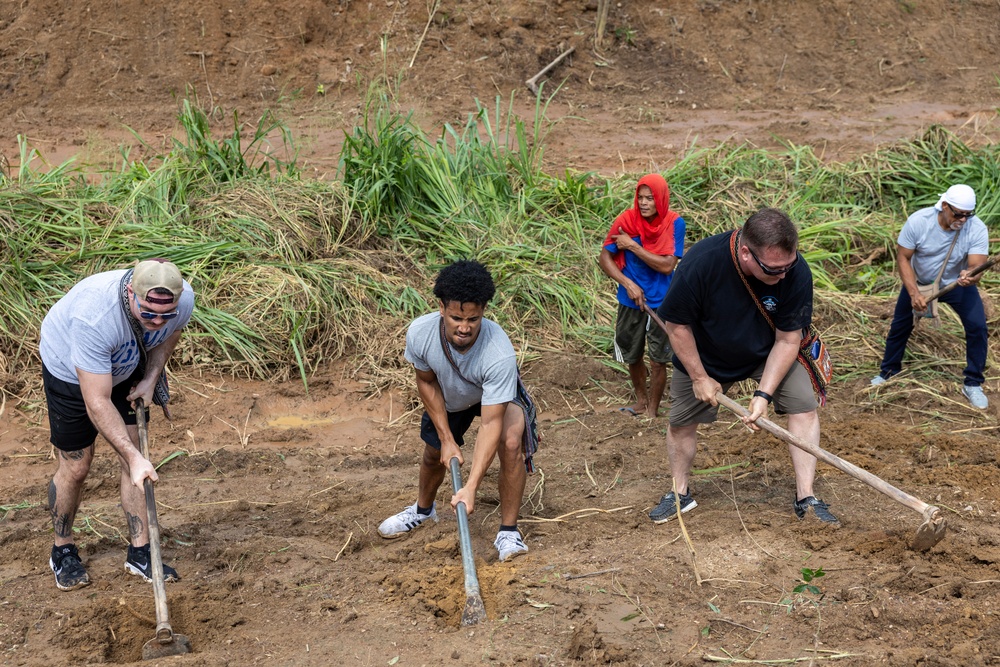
[166, 643]
[474, 612]
[930, 532]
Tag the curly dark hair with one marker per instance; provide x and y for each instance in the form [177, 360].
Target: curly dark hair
[465, 281]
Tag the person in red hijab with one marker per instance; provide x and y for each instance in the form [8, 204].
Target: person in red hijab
[640, 253]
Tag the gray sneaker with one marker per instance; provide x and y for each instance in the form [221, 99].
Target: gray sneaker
[667, 507]
[877, 380]
[976, 397]
[400, 524]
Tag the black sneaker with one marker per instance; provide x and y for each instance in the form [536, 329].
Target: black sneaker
[138, 563]
[667, 509]
[820, 509]
[69, 571]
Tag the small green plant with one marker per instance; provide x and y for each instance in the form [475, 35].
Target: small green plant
[625, 34]
[807, 577]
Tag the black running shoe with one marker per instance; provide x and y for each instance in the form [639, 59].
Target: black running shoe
[819, 508]
[667, 508]
[138, 563]
[69, 571]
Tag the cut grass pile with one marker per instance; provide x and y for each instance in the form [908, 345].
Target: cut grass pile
[291, 273]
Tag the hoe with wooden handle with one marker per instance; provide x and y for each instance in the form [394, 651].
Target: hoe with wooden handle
[930, 532]
[166, 642]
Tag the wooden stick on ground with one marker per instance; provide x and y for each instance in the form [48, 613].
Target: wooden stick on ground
[532, 83]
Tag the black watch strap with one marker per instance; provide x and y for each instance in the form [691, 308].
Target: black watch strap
[763, 394]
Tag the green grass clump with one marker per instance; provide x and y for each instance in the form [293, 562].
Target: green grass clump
[291, 273]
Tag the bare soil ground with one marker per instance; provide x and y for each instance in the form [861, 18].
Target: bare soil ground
[271, 516]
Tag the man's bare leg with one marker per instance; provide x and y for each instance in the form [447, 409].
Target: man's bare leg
[65, 491]
[806, 426]
[657, 383]
[513, 476]
[682, 445]
[637, 373]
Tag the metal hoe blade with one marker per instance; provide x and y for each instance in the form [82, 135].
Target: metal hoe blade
[157, 648]
[931, 531]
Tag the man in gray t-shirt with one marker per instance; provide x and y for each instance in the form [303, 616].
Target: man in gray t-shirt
[93, 369]
[466, 367]
[947, 235]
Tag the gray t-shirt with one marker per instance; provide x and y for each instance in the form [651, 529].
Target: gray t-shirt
[924, 235]
[87, 329]
[490, 363]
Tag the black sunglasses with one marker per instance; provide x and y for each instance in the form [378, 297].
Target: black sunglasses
[770, 270]
[961, 215]
[150, 315]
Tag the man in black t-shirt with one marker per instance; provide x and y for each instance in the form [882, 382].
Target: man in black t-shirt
[719, 337]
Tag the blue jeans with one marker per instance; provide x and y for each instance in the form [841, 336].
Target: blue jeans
[965, 301]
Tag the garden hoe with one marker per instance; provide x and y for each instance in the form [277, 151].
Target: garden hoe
[930, 532]
[973, 272]
[474, 612]
[166, 643]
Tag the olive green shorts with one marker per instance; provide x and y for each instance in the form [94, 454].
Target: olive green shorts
[634, 330]
[793, 396]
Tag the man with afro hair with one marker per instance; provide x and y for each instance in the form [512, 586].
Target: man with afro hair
[466, 367]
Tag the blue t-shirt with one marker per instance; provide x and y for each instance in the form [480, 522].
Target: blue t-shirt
[653, 283]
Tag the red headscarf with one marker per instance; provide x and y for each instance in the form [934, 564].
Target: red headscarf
[656, 235]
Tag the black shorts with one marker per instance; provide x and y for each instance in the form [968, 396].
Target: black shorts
[459, 422]
[69, 424]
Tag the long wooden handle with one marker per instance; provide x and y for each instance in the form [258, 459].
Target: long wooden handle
[464, 538]
[164, 633]
[972, 273]
[854, 471]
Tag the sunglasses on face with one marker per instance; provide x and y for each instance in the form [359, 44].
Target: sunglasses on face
[771, 271]
[960, 215]
[150, 315]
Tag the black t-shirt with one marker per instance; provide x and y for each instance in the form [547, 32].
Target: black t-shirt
[732, 335]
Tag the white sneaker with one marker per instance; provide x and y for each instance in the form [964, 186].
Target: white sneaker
[877, 380]
[976, 397]
[402, 523]
[510, 544]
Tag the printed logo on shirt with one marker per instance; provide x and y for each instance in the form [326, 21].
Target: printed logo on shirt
[770, 304]
[125, 359]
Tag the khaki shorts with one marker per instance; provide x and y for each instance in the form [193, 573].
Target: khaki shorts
[635, 329]
[793, 396]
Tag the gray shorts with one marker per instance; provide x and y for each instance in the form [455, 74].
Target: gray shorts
[634, 330]
[793, 396]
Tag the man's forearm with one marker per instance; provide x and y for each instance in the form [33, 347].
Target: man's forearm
[487, 444]
[433, 400]
[111, 426]
[779, 362]
[156, 358]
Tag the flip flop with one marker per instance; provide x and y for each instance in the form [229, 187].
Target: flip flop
[629, 410]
